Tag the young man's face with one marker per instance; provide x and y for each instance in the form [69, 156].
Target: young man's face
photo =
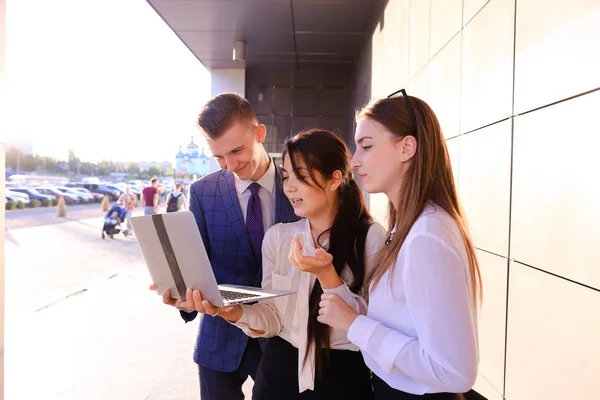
[239, 149]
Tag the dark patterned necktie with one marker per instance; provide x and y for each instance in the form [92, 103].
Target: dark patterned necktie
[254, 223]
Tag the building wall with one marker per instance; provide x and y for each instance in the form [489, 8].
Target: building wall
[288, 100]
[512, 82]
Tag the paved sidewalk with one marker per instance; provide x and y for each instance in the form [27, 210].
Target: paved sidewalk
[111, 340]
[30, 217]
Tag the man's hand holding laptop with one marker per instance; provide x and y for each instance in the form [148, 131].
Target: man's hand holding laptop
[194, 302]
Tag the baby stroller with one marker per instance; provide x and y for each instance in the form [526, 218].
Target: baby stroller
[112, 221]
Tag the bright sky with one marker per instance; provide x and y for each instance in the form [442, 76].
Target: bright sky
[106, 78]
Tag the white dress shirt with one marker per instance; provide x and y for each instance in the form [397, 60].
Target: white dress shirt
[266, 194]
[420, 332]
[288, 316]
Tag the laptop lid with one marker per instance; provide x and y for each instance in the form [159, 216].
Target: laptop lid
[175, 255]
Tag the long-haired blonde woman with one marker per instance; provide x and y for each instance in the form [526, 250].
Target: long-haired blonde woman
[419, 336]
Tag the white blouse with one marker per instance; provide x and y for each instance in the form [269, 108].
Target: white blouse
[288, 316]
[420, 332]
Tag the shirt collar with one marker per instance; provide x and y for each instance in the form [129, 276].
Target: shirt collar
[267, 181]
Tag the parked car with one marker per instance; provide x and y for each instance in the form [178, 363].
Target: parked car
[134, 189]
[33, 193]
[55, 192]
[84, 197]
[84, 190]
[16, 196]
[98, 188]
[136, 183]
[115, 188]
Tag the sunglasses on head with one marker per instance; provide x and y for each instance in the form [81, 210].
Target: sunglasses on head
[409, 107]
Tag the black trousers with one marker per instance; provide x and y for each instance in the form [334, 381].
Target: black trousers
[217, 385]
[345, 377]
[383, 391]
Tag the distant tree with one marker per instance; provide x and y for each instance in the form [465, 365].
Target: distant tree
[73, 164]
[11, 158]
[24, 162]
[73, 160]
[152, 172]
[132, 168]
[87, 168]
[48, 165]
[28, 163]
[105, 167]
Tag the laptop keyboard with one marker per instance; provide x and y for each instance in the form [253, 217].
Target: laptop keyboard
[228, 295]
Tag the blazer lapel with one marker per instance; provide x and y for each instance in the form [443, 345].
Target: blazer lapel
[284, 211]
[234, 213]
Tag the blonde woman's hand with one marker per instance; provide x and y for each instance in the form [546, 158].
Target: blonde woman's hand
[335, 312]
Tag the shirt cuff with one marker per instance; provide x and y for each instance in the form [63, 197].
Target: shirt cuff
[354, 300]
[361, 330]
[245, 319]
[341, 290]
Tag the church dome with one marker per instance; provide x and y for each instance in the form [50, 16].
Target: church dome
[203, 156]
[192, 149]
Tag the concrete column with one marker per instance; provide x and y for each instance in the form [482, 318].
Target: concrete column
[228, 80]
[3, 102]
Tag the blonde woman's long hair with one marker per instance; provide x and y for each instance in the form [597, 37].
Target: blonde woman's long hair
[429, 178]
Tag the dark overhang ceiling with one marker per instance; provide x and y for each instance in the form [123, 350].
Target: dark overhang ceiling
[275, 31]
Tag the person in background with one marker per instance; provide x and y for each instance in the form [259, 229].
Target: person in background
[129, 201]
[150, 198]
[176, 199]
[419, 336]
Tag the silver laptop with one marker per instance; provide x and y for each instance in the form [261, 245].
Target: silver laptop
[176, 259]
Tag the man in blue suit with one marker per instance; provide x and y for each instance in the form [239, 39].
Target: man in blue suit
[233, 208]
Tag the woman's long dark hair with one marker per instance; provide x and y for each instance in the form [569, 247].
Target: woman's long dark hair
[324, 153]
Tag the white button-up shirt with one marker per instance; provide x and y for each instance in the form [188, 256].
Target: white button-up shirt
[420, 333]
[288, 316]
[266, 194]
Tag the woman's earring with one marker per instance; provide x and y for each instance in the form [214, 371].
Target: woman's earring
[331, 188]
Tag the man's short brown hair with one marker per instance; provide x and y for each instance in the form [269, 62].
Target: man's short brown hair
[222, 111]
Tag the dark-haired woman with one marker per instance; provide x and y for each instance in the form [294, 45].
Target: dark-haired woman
[330, 250]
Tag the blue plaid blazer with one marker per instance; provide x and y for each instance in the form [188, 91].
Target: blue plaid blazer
[215, 204]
